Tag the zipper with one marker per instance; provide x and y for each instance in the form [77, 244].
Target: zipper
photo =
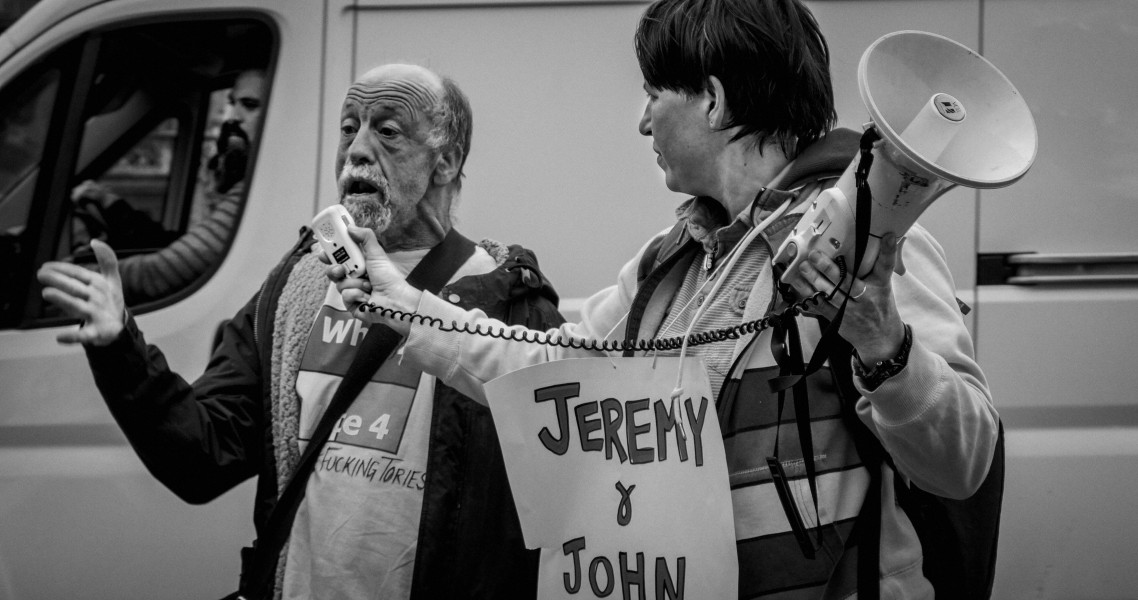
[709, 258]
[257, 313]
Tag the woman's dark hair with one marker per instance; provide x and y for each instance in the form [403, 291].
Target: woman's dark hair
[769, 54]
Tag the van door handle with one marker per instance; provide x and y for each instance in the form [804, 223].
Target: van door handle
[1031, 268]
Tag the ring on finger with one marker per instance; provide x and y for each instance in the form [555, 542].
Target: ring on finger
[864, 286]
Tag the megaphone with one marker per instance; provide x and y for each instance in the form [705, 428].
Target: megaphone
[945, 117]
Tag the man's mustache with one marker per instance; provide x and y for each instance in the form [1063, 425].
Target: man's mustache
[363, 179]
[357, 183]
[231, 133]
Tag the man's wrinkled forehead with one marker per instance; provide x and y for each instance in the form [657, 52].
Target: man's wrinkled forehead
[408, 93]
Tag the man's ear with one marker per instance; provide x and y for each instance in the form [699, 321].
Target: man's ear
[717, 113]
[447, 166]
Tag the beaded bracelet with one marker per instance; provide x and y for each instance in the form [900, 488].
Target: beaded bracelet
[873, 377]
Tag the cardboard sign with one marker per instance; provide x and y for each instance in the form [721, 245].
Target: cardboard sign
[621, 502]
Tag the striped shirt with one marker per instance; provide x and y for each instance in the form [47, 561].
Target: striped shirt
[152, 276]
[724, 309]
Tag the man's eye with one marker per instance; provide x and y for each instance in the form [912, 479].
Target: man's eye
[348, 129]
[388, 131]
[251, 104]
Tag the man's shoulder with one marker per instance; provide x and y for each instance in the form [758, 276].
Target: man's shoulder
[299, 267]
[300, 248]
[516, 281]
[507, 257]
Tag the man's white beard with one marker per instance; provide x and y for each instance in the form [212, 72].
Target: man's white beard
[369, 211]
[368, 214]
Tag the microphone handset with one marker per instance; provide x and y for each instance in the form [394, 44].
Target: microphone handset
[331, 227]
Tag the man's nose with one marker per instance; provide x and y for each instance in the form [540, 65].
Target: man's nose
[233, 113]
[645, 125]
[360, 151]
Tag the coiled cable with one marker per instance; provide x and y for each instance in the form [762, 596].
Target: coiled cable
[607, 346]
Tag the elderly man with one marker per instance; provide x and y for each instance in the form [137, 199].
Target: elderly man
[408, 498]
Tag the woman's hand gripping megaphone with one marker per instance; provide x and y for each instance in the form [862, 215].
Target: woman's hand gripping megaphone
[871, 322]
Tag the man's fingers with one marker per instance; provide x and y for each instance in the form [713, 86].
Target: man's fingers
[66, 269]
[83, 189]
[108, 262]
[79, 335]
[65, 279]
[71, 336]
[72, 304]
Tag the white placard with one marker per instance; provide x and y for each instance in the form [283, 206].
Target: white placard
[621, 503]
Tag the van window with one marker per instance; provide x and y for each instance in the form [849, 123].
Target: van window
[24, 119]
[126, 205]
[141, 136]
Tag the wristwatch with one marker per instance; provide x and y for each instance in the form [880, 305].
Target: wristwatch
[872, 377]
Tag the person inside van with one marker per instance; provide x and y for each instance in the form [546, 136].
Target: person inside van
[408, 498]
[740, 112]
[179, 260]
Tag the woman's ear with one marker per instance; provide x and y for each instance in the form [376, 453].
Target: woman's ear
[717, 103]
[447, 166]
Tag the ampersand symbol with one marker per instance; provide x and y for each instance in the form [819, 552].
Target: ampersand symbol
[624, 511]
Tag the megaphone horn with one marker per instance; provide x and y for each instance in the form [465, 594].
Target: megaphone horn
[946, 117]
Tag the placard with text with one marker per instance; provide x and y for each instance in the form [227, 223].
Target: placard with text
[621, 484]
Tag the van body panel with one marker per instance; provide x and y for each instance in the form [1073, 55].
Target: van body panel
[1060, 357]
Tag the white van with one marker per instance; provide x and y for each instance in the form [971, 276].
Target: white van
[124, 91]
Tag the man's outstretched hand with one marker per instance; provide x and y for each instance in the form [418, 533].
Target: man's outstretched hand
[94, 297]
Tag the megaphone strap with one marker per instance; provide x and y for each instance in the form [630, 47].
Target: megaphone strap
[861, 228]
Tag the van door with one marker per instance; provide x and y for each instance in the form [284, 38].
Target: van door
[129, 96]
[1058, 291]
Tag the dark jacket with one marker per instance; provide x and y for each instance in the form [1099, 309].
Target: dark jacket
[203, 439]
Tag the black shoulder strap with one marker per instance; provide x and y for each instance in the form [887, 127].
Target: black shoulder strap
[867, 528]
[661, 249]
[431, 274]
[656, 263]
